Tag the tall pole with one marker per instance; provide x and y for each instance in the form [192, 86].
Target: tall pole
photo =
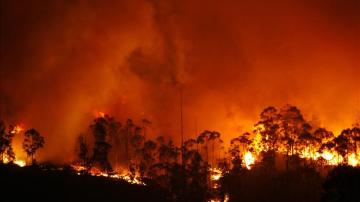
[181, 126]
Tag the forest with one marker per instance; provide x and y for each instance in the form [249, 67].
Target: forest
[283, 158]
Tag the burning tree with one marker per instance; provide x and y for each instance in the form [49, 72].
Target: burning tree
[32, 142]
[269, 128]
[6, 149]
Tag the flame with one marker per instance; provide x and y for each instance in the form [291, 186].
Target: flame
[256, 143]
[327, 155]
[216, 174]
[308, 152]
[124, 175]
[352, 160]
[17, 129]
[100, 114]
[20, 163]
[249, 159]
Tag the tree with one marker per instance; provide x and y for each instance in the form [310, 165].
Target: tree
[148, 159]
[32, 142]
[6, 149]
[83, 153]
[113, 128]
[307, 142]
[127, 131]
[292, 125]
[343, 144]
[322, 135]
[101, 147]
[355, 138]
[269, 125]
[245, 140]
[323, 139]
[145, 124]
[234, 151]
[204, 139]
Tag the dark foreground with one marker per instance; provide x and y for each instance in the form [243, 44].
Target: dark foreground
[35, 184]
[342, 184]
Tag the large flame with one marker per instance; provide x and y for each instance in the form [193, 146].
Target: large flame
[249, 159]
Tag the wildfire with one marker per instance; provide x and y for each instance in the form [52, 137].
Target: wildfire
[249, 159]
[309, 152]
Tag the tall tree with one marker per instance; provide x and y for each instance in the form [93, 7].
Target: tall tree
[204, 138]
[343, 144]
[292, 125]
[32, 142]
[127, 132]
[101, 146]
[83, 153]
[355, 138]
[269, 128]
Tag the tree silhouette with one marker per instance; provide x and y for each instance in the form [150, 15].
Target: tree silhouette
[269, 120]
[145, 124]
[83, 153]
[343, 145]
[148, 153]
[355, 138]
[127, 131]
[101, 146]
[204, 138]
[292, 125]
[32, 142]
[234, 152]
[307, 142]
[245, 141]
[113, 128]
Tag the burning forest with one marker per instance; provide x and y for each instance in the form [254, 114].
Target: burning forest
[180, 100]
[281, 141]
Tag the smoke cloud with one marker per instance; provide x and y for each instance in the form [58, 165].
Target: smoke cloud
[61, 61]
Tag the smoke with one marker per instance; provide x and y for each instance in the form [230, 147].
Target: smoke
[61, 61]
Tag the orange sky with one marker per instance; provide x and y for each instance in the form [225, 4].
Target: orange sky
[62, 61]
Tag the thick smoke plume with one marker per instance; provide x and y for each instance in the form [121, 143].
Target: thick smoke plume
[62, 61]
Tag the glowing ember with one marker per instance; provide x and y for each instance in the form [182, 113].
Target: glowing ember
[216, 174]
[123, 175]
[249, 159]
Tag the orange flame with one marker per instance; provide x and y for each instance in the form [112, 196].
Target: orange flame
[17, 129]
